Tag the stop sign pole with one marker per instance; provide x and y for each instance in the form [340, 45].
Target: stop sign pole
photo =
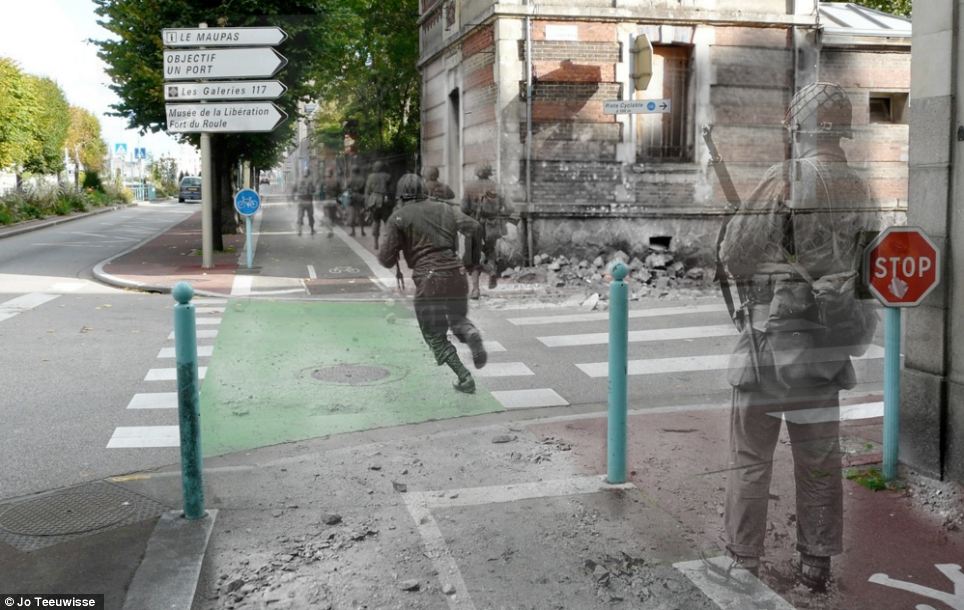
[902, 266]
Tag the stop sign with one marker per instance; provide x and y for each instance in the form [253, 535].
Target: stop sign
[902, 266]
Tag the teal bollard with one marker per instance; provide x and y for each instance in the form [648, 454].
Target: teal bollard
[891, 390]
[188, 401]
[618, 349]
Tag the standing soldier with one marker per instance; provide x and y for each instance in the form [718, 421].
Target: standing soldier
[332, 189]
[794, 249]
[304, 194]
[426, 231]
[483, 202]
[378, 198]
[434, 188]
[356, 186]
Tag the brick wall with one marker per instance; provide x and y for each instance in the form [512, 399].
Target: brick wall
[479, 96]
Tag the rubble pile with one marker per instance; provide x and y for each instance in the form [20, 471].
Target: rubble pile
[655, 272]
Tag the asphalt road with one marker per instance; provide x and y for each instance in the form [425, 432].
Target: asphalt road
[74, 350]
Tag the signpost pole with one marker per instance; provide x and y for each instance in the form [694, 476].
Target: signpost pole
[247, 240]
[891, 390]
[207, 201]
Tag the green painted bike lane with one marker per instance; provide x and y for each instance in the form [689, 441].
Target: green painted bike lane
[261, 387]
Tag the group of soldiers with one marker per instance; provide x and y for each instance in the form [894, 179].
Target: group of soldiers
[371, 200]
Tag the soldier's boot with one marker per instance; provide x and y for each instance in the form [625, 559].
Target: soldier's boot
[479, 356]
[493, 279]
[474, 284]
[815, 572]
[465, 383]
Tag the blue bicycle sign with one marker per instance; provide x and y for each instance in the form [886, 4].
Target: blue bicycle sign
[247, 202]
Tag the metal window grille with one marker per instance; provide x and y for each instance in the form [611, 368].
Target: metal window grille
[667, 137]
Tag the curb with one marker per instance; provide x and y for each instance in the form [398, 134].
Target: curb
[112, 280]
[43, 224]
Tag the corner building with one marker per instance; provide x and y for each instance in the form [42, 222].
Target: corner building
[585, 180]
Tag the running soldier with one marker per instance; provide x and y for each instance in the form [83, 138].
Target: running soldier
[434, 188]
[378, 198]
[484, 202]
[426, 232]
[356, 186]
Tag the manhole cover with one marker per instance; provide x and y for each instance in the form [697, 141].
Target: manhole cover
[67, 513]
[351, 374]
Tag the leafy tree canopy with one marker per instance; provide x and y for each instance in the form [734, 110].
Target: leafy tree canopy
[52, 122]
[84, 142]
[896, 7]
[18, 120]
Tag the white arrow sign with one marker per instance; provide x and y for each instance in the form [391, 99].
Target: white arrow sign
[222, 63]
[223, 37]
[224, 90]
[637, 106]
[223, 117]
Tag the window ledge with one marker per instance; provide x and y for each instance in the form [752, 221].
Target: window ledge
[665, 168]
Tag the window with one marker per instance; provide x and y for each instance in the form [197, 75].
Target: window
[667, 137]
[887, 107]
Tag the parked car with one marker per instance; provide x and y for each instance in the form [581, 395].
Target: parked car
[189, 190]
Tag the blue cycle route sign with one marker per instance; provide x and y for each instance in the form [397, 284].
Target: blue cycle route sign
[651, 106]
[247, 202]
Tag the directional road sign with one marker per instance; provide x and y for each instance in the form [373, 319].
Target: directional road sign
[247, 202]
[225, 90]
[637, 106]
[902, 266]
[223, 37]
[223, 117]
[193, 64]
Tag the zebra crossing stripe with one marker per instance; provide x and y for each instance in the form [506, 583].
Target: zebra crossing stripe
[686, 364]
[204, 310]
[204, 333]
[156, 400]
[530, 399]
[203, 351]
[171, 374]
[9, 309]
[141, 437]
[209, 301]
[654, 312]
[866, 410]
[208, 321]
[640, 336]
[491, 347]
[504, 369]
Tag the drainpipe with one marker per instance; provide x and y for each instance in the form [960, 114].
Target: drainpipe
[528, 150]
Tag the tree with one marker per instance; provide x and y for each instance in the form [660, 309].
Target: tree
[895, 7]
[375, 86]
[84, 143]
[17, 116]
[52, 120]
[164, 174]
[134, 62]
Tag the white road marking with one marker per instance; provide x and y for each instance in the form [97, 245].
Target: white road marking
[241, 287]
[171, 374]
[952, 571]
[209, 301]
[311, 273]
[279, 291]
[208, 321]
[204, 333]
[867, 410]
[156, 400]
[206, 310]
[504, 369]
[684, 364]
[491, 347]
[385, 277]
[203, 351]
[640, 336]
[633, 313]
[420, 505]
[137, 437]
[530, 399]
[9, 309]
[749, 594]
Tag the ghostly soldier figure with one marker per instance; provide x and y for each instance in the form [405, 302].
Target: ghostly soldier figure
[356, 186]
[483, 201]
[794, 248]
[332, 189]
[434, 188]
[305, 194]
[378, 198]
[425, 232]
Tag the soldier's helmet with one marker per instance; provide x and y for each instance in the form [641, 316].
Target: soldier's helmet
[430, 172]
[410, 188]
[820, 108]
[379, 166]
[484, 171]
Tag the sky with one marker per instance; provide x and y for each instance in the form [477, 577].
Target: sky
[49, 38]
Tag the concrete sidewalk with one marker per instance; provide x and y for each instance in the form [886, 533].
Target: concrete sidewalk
[493, 511]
